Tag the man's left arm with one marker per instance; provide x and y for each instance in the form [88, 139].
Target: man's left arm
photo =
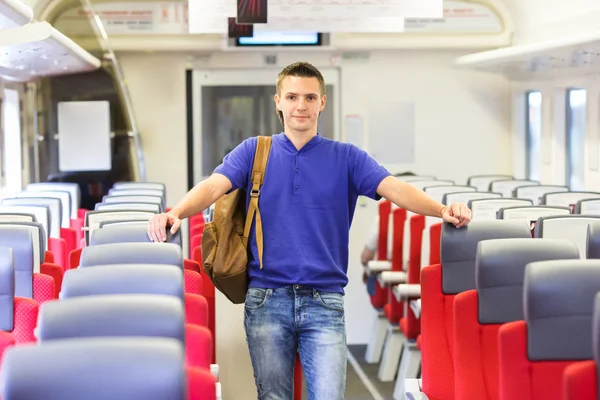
[407, 196]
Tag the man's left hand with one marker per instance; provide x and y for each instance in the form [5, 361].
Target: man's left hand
[457, 213]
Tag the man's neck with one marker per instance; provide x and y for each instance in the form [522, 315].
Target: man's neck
[299, 139]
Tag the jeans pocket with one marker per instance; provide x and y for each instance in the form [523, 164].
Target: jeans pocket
[255, 298]
[332, 301]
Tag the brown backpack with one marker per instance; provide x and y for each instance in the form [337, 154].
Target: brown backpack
[225, 238]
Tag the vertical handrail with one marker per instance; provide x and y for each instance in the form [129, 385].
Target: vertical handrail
[139, 169]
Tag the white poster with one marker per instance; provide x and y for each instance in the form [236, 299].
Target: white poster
[392, 132]
[84, 136]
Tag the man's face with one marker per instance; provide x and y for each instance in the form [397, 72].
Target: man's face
[300, 101]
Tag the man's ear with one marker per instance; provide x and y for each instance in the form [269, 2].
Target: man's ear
[276, 99]
[323, 101]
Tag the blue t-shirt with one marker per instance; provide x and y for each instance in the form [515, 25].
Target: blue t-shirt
[307, 203]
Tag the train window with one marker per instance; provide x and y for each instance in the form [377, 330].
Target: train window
[575, 143]
[534, 134]
[11, 156]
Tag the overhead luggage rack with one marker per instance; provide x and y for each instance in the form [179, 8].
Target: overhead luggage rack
[39, 50]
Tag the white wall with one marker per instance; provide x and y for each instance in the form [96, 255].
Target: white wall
[157, 86]
[539, 20]
[462, 128]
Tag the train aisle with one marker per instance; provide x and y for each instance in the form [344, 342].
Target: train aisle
[361, 380]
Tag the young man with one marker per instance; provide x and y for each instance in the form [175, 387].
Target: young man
[295, 301]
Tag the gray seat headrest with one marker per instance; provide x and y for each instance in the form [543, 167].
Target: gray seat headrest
[500, 271]
[123, 279]
[96, 369]
[7, 289]
[21, 243]
[593, 241]
[558, 305]
[131, 232]
[132, 253]
[459, 249]
[112, 315]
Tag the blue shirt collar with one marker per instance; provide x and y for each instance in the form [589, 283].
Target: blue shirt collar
[287, 143]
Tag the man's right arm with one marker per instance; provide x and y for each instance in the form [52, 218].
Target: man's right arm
[202, 196]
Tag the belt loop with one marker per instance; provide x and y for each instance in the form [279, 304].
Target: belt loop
[315, 293]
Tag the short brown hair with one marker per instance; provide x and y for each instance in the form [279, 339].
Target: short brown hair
[303, 70]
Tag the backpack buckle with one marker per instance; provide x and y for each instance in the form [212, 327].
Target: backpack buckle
[254, 192]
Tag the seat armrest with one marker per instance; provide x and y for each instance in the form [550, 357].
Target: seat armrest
[415, 306]
[214, 369]
[412, 390]
[404, 291]
[387, 278]
[415, 396]
[375, 267]
[218, 395]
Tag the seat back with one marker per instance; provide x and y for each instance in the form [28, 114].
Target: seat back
[497, 299]
[558, 304]
[132, 253]
[531, 214]
[596, 337]
[96, 369]
[465, 197]
[15, 213]
[38, 237]
[136, 192]
[155, 208]
[20, 240]
[507, 187]
[487, 209]
[134, 199]
[439, 285]
[568, 199]
[53, 205]
[570, 227]
[112, 315]
[7, 289]
[93, 219]
[123, 279]
[63, 196]
[438, 192]
[140, 185]
[72, 188]
[593, 241]
[588, 207]
[482, 182]
[536, 193]
[128, 232]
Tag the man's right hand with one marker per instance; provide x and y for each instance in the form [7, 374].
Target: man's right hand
[157, 226]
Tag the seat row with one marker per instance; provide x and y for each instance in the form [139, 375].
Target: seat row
[394, 279]
[130, 319]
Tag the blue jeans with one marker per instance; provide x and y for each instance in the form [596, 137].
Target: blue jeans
[281, 322]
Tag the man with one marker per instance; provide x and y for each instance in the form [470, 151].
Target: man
[295, 301]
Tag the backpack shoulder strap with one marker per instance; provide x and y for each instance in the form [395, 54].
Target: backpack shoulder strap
[263, 148]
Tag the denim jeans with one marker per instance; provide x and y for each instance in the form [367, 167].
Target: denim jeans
[281, 322]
